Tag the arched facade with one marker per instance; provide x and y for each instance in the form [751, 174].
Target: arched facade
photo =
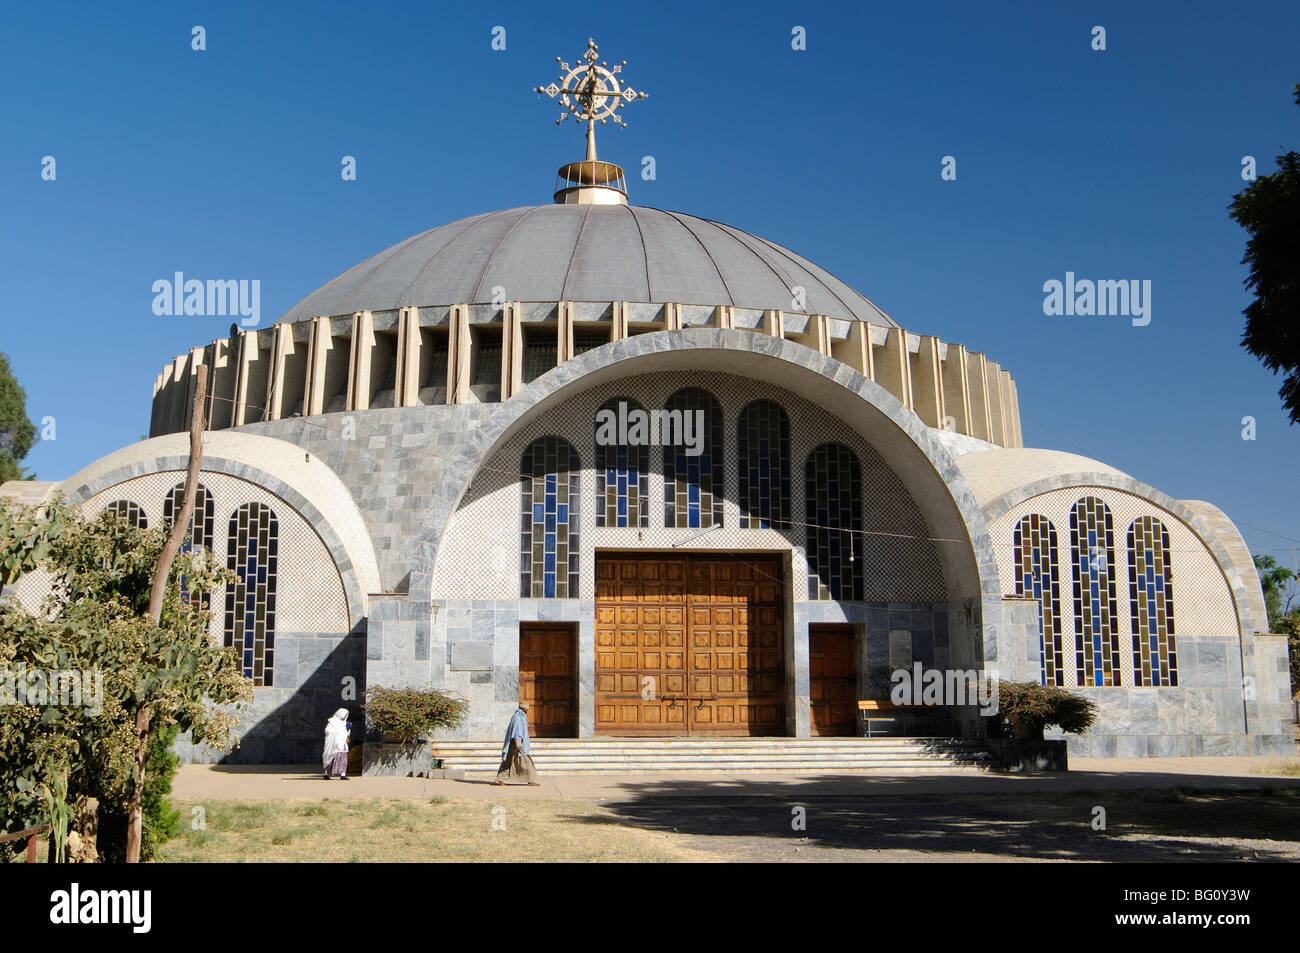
[1171, 677]
[304, 567]
[911, 565]
[413, 492]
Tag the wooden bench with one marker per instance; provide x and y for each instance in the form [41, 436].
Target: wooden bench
[885, 706]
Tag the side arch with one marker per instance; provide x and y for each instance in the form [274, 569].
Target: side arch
[306, 484]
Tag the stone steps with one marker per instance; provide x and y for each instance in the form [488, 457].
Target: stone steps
[622, 755]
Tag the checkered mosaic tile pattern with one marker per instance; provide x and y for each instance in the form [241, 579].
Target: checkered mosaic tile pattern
[479, 554]
[310, 595]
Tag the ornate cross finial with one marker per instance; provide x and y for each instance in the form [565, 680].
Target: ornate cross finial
[591, 91]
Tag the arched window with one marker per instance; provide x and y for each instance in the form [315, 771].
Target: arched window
[833, 490]
[690, 430]
[201, 526]
[254, 549]
[1096, 645]
[1035, 554]
[622, 449]
[548, 563]
[201, 523]
[128, 512]
[763, 439]
[1151, 598]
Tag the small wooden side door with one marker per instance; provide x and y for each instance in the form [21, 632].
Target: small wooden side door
[547, 679]
[833, 680]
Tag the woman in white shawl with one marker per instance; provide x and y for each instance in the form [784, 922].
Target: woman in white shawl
[335, 758]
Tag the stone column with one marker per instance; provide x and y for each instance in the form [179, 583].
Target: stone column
[458, 355]
[927, 389]
[281, 348]
[956, 394]
[892, 369]
[773, 323]
[408, 357]
[1014, 438]
[979, 396]
[363, 348]
[512, 349]
[245, 354]
[564, 334]
[855, 350]
[997, 416]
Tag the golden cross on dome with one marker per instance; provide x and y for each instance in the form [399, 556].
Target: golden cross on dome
[591, 91]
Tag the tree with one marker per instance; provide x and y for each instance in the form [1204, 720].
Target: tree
[25, 538]
[1269, 210]
[95, 626]
[1290, 627]
[1273, 579]
[17, 432]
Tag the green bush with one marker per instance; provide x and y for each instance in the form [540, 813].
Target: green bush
[405, 714]
[160, 821]
[1031, 707]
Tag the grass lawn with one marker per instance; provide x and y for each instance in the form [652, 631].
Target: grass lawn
[398, 830]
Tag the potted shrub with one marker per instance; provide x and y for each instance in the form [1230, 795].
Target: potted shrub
[405, 718]
[1028, 708]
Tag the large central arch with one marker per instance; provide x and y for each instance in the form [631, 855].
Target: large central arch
[900, 436]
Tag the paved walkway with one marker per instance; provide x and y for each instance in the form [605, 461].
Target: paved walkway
[252, 782]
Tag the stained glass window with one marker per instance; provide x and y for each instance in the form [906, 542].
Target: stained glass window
[548, 561]
[833, 490]
[763, 439]
[201, 526]
[201, 523]
[1036, 575]
[621, 480]
[1151, 597]
[693, 482]
[254, 549]
[1093, 550]
[129, 512]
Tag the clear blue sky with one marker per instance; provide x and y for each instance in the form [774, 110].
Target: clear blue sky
[1115, 164]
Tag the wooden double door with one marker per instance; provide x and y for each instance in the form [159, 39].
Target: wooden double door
[689, 645]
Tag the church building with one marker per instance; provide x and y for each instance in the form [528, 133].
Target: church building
[664, 478]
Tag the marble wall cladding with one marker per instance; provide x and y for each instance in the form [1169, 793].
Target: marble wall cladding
[1209, 712]
[285, 724]
[473, 646]
[394, 461]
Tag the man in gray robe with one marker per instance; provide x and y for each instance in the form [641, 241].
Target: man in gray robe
[516, 760]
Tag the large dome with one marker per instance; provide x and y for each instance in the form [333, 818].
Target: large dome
[586, 253]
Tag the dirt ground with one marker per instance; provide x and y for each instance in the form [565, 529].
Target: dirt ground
[1176, 824]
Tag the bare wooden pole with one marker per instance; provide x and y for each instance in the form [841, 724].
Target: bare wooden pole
[180, 527]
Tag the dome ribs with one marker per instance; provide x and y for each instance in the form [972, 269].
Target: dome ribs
[586, 253]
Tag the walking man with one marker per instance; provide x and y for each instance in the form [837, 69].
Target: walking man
[516, 760]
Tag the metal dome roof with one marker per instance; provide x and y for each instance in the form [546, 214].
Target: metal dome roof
[586, 253]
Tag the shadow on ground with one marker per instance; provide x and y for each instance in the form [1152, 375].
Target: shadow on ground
[1252, 820]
